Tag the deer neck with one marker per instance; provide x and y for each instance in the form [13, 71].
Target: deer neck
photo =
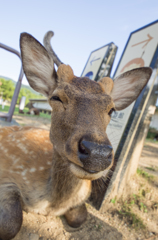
[65, 183]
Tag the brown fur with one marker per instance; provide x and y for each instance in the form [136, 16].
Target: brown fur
[65, 73]
[56, 179]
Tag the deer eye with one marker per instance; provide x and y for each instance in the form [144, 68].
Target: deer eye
[111, 111]
[55, 98]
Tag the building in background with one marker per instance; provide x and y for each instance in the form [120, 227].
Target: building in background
[41, 104]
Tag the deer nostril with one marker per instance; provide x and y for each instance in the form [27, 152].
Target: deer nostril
[94, 156]
[82, 148]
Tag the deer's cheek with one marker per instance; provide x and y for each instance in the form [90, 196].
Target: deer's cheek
[106, 120]
[57, 106]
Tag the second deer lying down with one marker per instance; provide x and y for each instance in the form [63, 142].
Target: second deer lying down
[39, 177]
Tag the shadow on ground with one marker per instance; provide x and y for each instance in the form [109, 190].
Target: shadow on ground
[56, 228]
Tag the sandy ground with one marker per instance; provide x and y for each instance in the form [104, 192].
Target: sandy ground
[108, 225]
[34, 121]
[148, 158]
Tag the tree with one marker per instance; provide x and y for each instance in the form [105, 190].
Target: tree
[28, 94]
[7, 89]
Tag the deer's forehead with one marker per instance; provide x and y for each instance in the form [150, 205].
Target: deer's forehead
[86, 90]
[86, 85]
[80, 85]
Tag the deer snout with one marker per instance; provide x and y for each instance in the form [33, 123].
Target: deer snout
[94, 157]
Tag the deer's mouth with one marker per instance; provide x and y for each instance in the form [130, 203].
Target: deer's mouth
[92, 171]
[87, 174]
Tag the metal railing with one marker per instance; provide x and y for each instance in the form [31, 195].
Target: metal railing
[8, 116]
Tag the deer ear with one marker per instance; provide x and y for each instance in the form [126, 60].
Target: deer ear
[129, 85]
[37, 64]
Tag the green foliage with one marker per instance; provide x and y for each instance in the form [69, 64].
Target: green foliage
[151, 169]
[7, 89]
[137, 200]
[143, 207]
[98, 227]
[155, 206]
[28, 94]
[152, 133]
[113, 200]
[145, 175]
[16, 112]
[142, 192]
[129, 216]
[132, 202]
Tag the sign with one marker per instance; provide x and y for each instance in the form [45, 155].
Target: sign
[100, 62]
[139, 51]
[128, 128]
[22, 103]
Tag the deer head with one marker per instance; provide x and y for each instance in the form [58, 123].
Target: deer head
[81, 108]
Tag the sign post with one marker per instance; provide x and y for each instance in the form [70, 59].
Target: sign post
[128, 128]
[100, 62]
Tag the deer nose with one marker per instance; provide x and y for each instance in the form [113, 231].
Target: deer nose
[94, 157]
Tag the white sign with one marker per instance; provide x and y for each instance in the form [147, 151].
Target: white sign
[94, 62]
[22, 103]
[139, 52]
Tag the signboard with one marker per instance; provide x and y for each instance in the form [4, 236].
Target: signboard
[128, 128]
[100, 62]
[139, 51]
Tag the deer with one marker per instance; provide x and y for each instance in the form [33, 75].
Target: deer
[51, 172]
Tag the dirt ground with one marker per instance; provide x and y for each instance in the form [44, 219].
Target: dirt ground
[35, 121]
[135, 218]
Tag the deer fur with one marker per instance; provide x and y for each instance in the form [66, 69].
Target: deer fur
[51, 172]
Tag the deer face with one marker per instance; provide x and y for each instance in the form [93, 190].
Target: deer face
[81, 108]
[81, 113]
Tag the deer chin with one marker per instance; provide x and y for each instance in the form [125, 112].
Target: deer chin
[82, 174]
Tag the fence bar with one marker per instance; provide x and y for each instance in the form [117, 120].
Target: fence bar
[9, 115]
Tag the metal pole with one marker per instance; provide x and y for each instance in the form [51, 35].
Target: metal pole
[18, 85]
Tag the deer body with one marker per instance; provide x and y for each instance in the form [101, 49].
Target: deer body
[51, 172]
[45, 195]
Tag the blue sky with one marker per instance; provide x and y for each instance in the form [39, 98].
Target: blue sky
[80, 27]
